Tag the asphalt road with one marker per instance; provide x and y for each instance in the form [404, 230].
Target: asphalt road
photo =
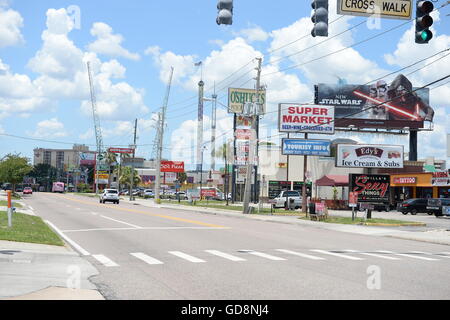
[152, 253]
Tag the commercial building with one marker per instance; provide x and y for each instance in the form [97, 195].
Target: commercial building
[61, 158]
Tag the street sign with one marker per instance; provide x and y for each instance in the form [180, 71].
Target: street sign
[392, 9]
[366, 206]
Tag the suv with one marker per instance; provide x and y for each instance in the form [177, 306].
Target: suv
[280, 201]
[111, 195]
[414, 206]
[436, 209]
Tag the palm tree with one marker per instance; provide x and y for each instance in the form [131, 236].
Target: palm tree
[126, 175]
[111, 160]
[222, 153]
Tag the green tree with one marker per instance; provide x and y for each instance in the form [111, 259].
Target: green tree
[13, 168]
[182, 177]
[126, 174]
[44, 174]
[111, 160]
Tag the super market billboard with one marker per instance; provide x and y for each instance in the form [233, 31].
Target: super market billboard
[378, 105]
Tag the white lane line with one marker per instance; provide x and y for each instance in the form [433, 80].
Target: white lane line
[444, 254]
[337, 254]
[303, 255]
[147, 228]
[265, 255]
[104, 260]
[373, 255]
[94, 213]
[186, 256]
[70, 241]
[146, 258]
[409, 255]
[123, 222]
[224, 255]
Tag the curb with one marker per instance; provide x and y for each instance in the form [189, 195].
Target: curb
[418, 224]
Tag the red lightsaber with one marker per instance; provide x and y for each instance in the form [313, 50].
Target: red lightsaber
[387, 105]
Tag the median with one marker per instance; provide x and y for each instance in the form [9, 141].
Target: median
[26, 228]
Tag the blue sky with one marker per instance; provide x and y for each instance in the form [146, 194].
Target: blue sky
[132, 44]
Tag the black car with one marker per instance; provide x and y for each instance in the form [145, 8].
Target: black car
[414, 206]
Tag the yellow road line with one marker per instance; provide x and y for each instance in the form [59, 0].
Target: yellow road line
[148, 213]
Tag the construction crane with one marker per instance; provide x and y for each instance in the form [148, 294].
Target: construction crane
[97, 128]
[160, 138]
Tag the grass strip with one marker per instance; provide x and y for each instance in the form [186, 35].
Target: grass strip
[4, 203]
[370, 222]
[26, 228]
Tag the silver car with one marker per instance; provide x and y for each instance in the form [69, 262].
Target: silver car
[110, 195]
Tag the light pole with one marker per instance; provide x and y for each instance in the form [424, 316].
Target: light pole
[201, 171]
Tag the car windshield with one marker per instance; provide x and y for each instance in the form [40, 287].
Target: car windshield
[291, 194]
[111, 191]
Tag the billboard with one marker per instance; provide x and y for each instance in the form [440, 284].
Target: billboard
[302, 147]
[370, 187]
[238, 97]
[393, 9]
[172, 166]
[378, 105]
[305, 118]
[369, 156]
[87, 159]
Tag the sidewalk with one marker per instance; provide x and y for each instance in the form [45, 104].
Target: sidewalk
[434, 236]
[32, 271]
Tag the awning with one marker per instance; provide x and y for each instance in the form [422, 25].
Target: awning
[333, 181]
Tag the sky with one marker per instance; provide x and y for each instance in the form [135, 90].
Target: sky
[132, 45]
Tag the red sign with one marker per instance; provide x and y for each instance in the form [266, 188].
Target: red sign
[172, 166]
[209, 193]
[405, 180]
[121, 150]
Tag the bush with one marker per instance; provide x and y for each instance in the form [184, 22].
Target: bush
[84, 188]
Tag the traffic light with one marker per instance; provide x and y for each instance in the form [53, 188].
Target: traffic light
[225, 14]
[320, 18]
[423, 21]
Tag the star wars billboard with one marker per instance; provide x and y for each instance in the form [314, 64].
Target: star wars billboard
[383, 105]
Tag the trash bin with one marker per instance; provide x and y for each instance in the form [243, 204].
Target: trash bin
[291, 204]
[312, 208]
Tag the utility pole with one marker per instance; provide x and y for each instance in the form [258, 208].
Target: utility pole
[132, 166]
[161, 121]
[253, 140]
[305, 168]
[213, 130]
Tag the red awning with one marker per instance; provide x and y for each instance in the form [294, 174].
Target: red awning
[333, 180]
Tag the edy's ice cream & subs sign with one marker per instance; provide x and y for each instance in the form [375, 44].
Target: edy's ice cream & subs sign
[369, 156]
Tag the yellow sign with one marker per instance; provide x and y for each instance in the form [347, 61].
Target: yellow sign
[394, 9]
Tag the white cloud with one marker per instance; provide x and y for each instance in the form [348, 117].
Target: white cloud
[51, 128]
[252, 34]
[108, 43]
[10, 24]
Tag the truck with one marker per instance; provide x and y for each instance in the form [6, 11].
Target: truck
[58, 187]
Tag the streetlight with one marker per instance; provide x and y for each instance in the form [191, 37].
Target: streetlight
[201, 171]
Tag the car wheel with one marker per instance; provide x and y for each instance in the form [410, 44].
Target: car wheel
[414, 212]
[430, 213]
[405, 213]
[117, 202]
[100, 200]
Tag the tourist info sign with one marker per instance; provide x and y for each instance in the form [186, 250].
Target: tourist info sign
[393, 9]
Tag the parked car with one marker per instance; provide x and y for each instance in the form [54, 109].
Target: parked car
[181, 194]
[414, 206]
[27, 190]
[436, 208]
[148, 193]
[19, 189]
[280, 200]
[110, 195]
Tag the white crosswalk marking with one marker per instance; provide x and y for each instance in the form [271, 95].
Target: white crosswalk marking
[186, 257]
[225, 255]
[303, 255]
[104, 260]
[373, 255]
[337, 254]
[414, 256]
[146, 258]
[265, 255]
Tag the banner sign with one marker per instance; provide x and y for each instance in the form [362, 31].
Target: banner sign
[209, 193]
[238, 97]
[393, 9]
[87, 159]
[369, 156]
[370, 187]
[121, 150]
[302, 147]
[305, 118]
[172, 166]
[193, 194]
[353, 199]
[379, 105]
[405, 180]
[170, 177]
[440, 178]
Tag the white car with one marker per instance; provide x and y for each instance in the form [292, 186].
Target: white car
[110, 195]
[280, 201]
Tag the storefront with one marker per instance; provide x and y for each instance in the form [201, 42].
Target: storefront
[415, 185]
